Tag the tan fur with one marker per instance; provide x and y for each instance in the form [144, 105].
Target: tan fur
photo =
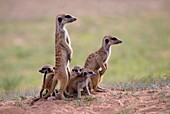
[48, 72]
[78, 83]
[63, 54]
[98, 61]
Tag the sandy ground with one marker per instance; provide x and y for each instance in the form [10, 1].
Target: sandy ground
[111, 102]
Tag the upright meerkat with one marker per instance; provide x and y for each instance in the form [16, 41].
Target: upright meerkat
[78, 83]
[63, 54]
[98, 61]
[48, 72]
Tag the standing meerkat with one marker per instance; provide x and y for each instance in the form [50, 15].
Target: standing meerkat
[98, 61]
[78, 83]
[63, 54]
[48, 72]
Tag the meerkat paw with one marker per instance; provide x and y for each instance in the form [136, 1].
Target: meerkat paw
[51, 98]
[98, 87]
[100, 90]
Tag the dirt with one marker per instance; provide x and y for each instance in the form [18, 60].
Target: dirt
[110, 102]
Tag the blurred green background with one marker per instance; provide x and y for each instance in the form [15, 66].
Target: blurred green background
[27, 38]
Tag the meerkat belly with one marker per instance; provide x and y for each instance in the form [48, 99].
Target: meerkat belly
[61, 57]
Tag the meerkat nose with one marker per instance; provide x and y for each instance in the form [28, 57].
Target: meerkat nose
[75, 19]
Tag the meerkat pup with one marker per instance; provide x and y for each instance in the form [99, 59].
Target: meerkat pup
[78, 83]
[98, 61]
[63, 54]
[48, 72]
[76, 71]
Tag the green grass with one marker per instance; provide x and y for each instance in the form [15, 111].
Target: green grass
[29, 44]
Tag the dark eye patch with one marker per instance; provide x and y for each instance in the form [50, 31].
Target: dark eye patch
[49, 69]
[90, 72]
[113, 38]
[80, 70]
[67, 16]
[43, 68]
[85, 73]
[76, 70]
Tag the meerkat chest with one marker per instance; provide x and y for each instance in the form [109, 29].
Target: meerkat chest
[67, 37]
[107, 55]
[84, 83]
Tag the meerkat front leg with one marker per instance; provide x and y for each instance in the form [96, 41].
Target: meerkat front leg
[104, 68]
[79, 90]
[87, 87]
[68, 49]
[102, 72]
[54, 83]
[41, 92]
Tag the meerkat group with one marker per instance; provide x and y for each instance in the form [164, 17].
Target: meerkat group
[78, 79]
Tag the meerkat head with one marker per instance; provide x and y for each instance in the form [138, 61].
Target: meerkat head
[62, 19]
[111, 40]
[46, 69]
[77, 70]
[87, 73]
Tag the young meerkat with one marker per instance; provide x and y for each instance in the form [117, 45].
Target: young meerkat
[63, 54]
[98, 61]
[76, 71]
[48, 72]
[78, 83]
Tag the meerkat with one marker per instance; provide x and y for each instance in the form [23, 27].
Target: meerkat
[63, 54]
[98, 61]
[48, 72]
[78, 83]
[76, 71]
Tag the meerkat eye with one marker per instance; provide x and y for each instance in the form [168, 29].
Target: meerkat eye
[76, 70]
[67, 16]
[113, 38]
[90, 72]
[49, 69]
[43, 69]
[80, 70]
[59, 19]
[107, 41]
[85, 73]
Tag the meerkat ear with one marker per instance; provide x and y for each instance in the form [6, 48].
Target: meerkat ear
[59, 19]
[106, 41]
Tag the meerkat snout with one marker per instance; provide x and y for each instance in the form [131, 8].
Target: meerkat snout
[116, 40]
